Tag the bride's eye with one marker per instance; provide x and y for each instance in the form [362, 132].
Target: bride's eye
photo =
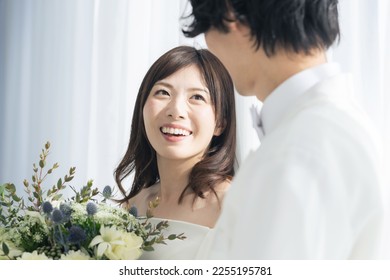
[198, 97]
[161, 92]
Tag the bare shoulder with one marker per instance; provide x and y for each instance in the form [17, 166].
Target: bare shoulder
[209, 208]
[222, 188]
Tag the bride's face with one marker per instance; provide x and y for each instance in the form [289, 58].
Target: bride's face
[179, 116]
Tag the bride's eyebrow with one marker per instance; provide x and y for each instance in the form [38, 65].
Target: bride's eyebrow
[160, 83]
[168, 85]
[199, 89]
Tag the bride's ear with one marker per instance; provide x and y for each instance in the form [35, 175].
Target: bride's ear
[219, 129]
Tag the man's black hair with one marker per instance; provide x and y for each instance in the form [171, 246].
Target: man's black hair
[294, 25]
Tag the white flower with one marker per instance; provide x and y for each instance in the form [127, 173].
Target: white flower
[109, 237]
[75, 255]
[33, 256]
[105, 217]
[36, 215]
[79, 214]
[55, 203]
[108, 214]
[131, 250]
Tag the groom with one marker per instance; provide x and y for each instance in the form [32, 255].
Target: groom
[312, 189]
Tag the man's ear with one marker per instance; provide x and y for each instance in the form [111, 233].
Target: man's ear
[232, 25]
[230, 21]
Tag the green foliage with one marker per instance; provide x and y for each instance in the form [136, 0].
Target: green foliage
[154, 234]
[35, 226]
[85, 194]
[5, 248]
[11, 204]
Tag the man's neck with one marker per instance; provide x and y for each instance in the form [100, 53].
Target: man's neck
[274, 70]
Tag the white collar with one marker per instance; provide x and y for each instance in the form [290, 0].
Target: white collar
[279, 101]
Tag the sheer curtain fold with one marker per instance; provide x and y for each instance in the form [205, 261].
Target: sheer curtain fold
[365, 27]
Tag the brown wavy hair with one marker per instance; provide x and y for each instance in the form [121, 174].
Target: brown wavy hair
[217, 165]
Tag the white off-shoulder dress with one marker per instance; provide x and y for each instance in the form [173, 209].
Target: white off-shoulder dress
[187, 249]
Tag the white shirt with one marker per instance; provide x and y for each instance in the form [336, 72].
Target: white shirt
[312, 190]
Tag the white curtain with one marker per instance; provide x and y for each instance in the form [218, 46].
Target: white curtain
[70, 72]
[364, 51]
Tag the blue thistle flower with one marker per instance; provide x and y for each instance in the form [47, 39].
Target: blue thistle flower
[91, 208]
[47, 207]
[57, 216]
[66, 210]
[76, 235]
[107, 192]
[133, 211]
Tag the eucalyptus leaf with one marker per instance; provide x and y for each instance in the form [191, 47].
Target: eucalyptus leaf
[172, 237]
[160, 224]
[16, 198]
[2, 219]
[10, 187]
[59, 183]
[148, 248]
[148, 227]
[57, 196]
[2, 190]
[5, 248]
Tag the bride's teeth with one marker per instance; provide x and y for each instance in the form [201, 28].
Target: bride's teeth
[175, 131]
[185, 132]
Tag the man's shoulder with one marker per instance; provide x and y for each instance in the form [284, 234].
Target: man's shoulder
[321, 131]
[322, 117]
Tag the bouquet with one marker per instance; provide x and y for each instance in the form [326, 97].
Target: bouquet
[81, 227]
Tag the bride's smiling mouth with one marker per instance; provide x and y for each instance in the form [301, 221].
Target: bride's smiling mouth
[175, 131]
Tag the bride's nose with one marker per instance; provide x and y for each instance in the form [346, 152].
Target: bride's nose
[177, 108]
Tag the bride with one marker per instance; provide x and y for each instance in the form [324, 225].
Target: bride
[182, 147]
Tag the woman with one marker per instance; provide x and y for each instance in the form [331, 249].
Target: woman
[182, 146]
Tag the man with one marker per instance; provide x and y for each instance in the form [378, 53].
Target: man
[313, 188]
